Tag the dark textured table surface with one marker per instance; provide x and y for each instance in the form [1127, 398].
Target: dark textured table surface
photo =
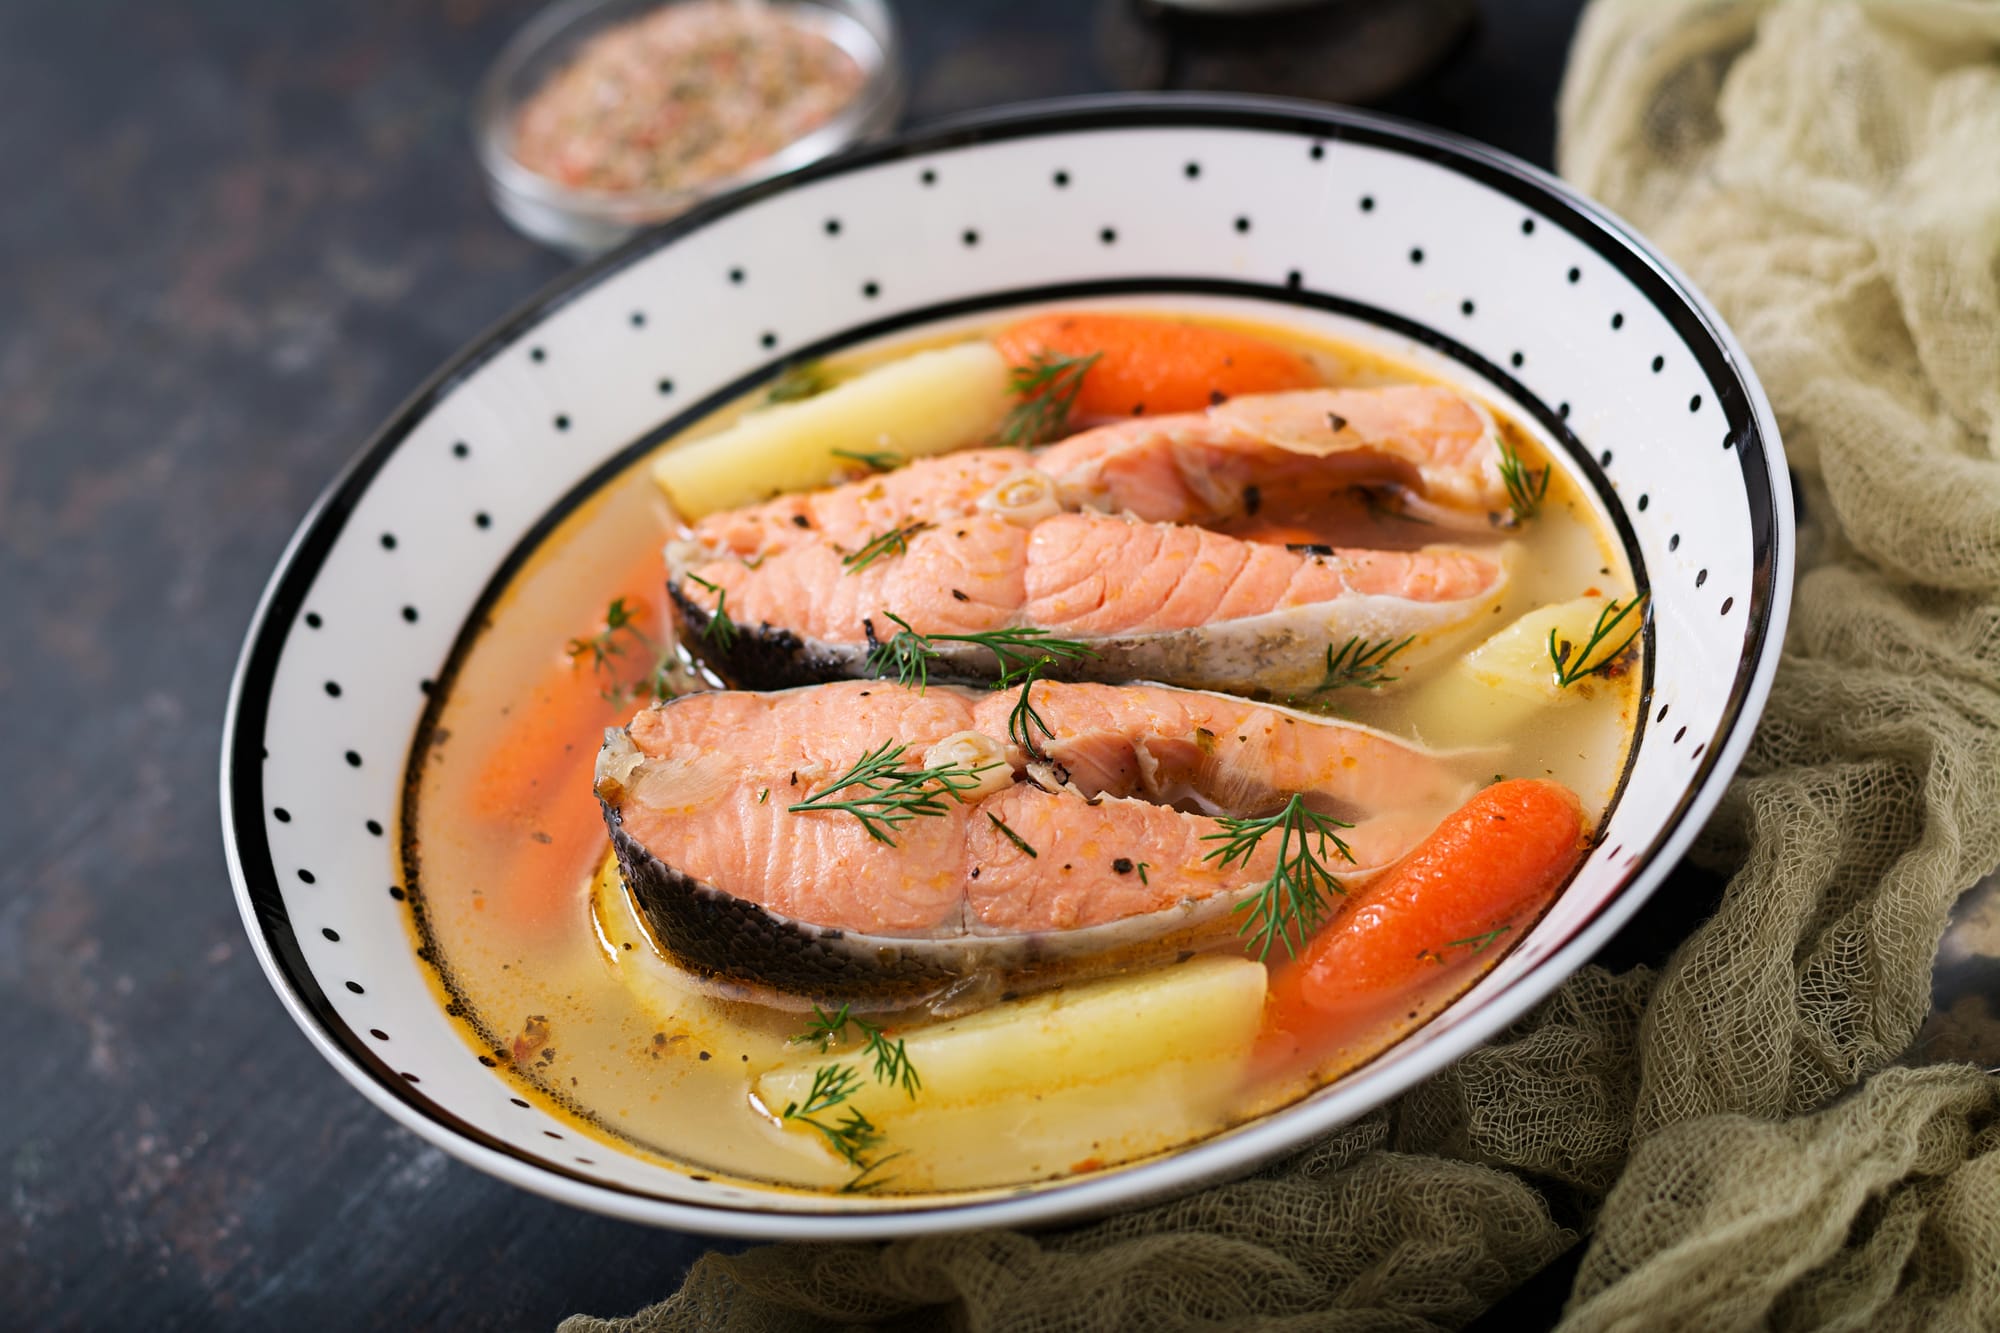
[232, 236]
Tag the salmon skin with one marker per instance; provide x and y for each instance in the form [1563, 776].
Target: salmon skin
[1164, 545]
[1090, 854]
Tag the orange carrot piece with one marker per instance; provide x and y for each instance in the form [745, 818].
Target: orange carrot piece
[1490, 867]
[551, 732]
[533, 789]
[1148, 365]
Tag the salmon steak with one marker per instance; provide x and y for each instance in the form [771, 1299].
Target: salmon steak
[737, 820]
[1199, 549]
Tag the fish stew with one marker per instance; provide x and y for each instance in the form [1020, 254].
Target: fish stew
[1041, 748]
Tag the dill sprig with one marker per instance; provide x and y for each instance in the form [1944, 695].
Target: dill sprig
[1293, 899]
[852, 1136]
[825, 1028]
[1022, 651]
[659, 682]
[874, 462]
[807, 379]
[909, 654]
[896, 541]
[887, 795]
[1012, 836]
[861, 1184]
[892, 1059]
[906, 654]
[719, 627]
[1526, 487]
[1360, 664]
[1046, 389]
[1478, 942]
[1023, 721]
[621, 631]
[605, 644]
[1572, 666]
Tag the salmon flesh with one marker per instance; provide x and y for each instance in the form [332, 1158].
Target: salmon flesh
[1199, 549]
[1092, 850]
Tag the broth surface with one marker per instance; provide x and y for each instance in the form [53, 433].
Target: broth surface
[555, 978]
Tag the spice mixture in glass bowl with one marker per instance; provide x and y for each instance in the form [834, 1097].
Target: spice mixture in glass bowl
[604, 116]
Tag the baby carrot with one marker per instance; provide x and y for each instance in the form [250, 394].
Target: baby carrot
[1147, 365]
[1488, 869]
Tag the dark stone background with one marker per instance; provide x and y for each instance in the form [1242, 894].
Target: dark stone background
[233, 235]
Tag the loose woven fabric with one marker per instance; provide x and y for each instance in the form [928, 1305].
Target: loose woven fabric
[1830, 177]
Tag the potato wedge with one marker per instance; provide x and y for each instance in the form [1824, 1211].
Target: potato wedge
[929, 403]
[1505, 680]
[1038, 1085]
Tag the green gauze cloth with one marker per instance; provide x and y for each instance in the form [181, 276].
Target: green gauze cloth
[1830, 176]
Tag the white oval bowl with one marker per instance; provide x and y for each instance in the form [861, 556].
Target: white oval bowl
[1420, 243]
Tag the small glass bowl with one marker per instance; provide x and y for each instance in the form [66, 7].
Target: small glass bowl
[584, 223]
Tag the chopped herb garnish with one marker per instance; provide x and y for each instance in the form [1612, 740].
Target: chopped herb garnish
[1526, 487]
[1478, 942]
[854, 1134]
[874, 462]
[719, 627]
[909, 654]
[1012, 836]
[886, 795]
[861, 1184]
[1360, 665]
[1046, 388]
[805, 380]
[659, 681]
[1023, 651]
[892, 1060]
[605, 645]
[825, 1028]
[621, 631]
[896, 541]
[906, 654]
[763, 795]
[1023, 722]
[1142, 871]
[1572, 666]
[1293, 900]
